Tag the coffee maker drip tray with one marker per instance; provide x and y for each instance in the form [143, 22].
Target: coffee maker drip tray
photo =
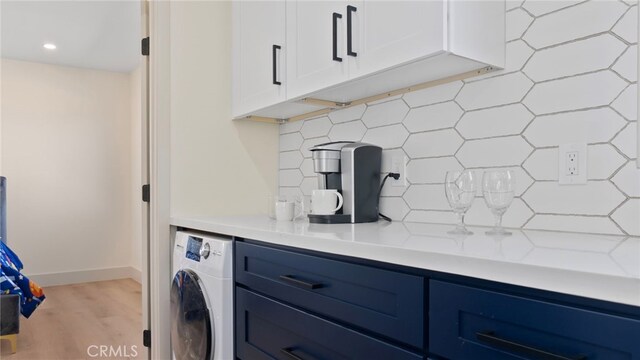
[330, 219]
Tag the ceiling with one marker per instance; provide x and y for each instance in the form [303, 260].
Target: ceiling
[102, 35]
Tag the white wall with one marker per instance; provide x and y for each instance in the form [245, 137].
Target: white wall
[66, 151]
[218, 167]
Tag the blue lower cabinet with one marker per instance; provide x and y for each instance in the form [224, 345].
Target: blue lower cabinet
[380, 301]
[268, 329]
[471, 323]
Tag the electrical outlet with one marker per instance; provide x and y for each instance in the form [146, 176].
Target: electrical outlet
[572, 164]
[399, 165]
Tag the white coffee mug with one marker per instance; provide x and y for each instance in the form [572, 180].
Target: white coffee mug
[323, 202]
[286, 210]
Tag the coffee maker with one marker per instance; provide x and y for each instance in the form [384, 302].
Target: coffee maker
[352, 168]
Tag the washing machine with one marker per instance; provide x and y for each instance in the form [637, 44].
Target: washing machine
[202, 297]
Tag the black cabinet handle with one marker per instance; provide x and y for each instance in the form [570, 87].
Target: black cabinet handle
[489, 337]
[336, 16]
[293, 281]
[291, 355]
[350, 52]
[275, 64]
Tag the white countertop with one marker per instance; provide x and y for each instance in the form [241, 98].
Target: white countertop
[594, 266]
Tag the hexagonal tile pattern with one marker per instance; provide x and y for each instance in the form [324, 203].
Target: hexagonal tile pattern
[308, 185]
[291, 127]
[502, 151]
[627, 217]
[290, 159]
[585, 91]
[308, 144]
[290, 177]
[426, 197]
[517, 54]
[349, 131]
[587, 126]
[602, 161]
[431, 216]
[497, 121]
[499, 90]
[543, 164]
[573, 93]
[626, 141]
[391, 112]
[628, 180]
[431, 171]
[626, 103]
[574, 58]
[433, 117]
[627, 64]
[626, 28]
[433, 95]
[589, 224]
[516, 216]
[593, 198]
[316, 128]
[348, 114]
[517, 22]
[290, 141]
[433, 143]
[586, 19]
[394, 207]
[307, 168]
[386, 137]
[541, 7]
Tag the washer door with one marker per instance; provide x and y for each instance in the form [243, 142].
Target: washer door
[192, 336]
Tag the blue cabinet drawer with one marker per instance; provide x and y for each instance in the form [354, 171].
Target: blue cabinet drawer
[384, 302]
[470, 323]
[267, 329]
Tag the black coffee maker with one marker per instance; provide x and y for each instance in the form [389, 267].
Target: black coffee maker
[352, 168]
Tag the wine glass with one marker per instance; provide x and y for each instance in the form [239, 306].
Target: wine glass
[460, 188]
[498, 187]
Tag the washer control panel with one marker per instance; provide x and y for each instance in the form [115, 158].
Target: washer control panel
[194, 246]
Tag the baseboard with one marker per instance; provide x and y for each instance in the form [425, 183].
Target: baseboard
[82, 276]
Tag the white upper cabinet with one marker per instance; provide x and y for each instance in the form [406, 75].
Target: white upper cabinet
[316, 43]
[259, 59]
[389, 33]
[342, 51]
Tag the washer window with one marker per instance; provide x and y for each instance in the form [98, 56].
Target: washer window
[191, 331]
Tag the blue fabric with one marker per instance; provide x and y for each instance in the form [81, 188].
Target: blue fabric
[13, 282]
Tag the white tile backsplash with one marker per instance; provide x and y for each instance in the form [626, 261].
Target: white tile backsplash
[541, 7]
[595, 53]
[500, 151]
[626, 27]
[498, 121]
[433, 117]
[518, 21]
[627, 64]
[588, 126]
[575, 92]
[626, 141]
[627, 217]
[574, 22]
[579, 85]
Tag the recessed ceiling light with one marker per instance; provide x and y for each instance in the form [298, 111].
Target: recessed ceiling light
[49, 46]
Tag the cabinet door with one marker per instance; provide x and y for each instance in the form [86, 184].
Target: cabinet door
[315, 57]
[258, 55]
[390, 33]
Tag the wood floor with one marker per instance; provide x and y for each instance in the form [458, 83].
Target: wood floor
[75, 317]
